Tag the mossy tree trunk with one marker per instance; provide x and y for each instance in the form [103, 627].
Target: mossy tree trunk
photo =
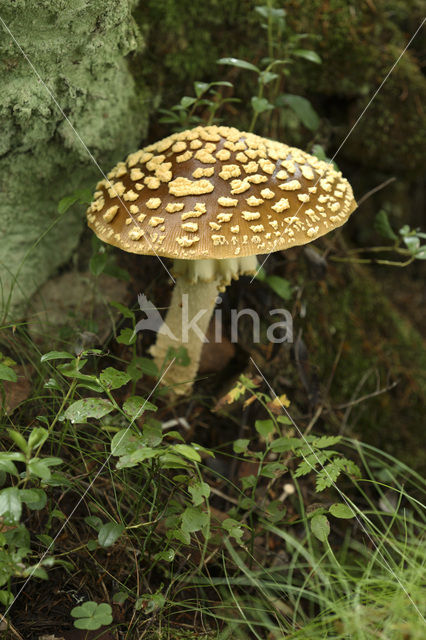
[79, 50]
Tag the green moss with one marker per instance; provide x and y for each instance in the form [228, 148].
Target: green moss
[378, 347]
[79, 50]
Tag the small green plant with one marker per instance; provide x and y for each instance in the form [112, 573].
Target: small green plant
[29, 476]
[407, 243]
[284, 46]
[207, 99]
[91, 615]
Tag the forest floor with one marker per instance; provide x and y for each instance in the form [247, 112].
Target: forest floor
[241, 535]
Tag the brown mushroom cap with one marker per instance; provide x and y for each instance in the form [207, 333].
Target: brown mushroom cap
[218, 192]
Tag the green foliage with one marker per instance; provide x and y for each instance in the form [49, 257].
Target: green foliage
[91, 615]
[208, 100]
[283, 46]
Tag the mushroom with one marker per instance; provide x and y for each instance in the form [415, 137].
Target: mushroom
[213, 198]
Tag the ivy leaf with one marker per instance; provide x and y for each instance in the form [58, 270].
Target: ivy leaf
[80, 410]
[302, 108]
[340, 510]
[241, 64]
[109, 533]
[320, 527]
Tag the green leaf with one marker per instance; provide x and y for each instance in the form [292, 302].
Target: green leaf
[135, 406]
[264, 427]
[35, 499]
[383, 226]
[39, 468]
[302, 108]
[241, 445]
[168, 555]
[126, 336]
[38, 437]
[340, 510]
[152, 433]
[200, 88]
[421, 255]
[150, 602]
[234, 529]
[6, 373]
[81, 196]
[113, 378]
[139, 455]
[187, 101]
[265, 77]
[187, 451]
[97, 263]
[281, 286]
[259, 105]
[270, 12]
[125, 442]
[10, 504]
[194, 519]
[7, 466]
[143, 365]
[280, 445]
[80, 410]
[92, 616]
[109, 533]
[412, 243]
[18, 439]
[326, 441]
[307, 54]
[180, 356]
[320, 527]
[241, 64]
[93, 521]
[199, 491]
[125, 311]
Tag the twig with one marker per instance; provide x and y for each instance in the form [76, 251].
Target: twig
[379, 187]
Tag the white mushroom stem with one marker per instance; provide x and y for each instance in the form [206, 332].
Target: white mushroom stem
[198, 283]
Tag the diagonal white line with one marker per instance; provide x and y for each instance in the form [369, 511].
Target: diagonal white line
[79, 138]
[101, 468]
[342, 495]
[358, 120]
